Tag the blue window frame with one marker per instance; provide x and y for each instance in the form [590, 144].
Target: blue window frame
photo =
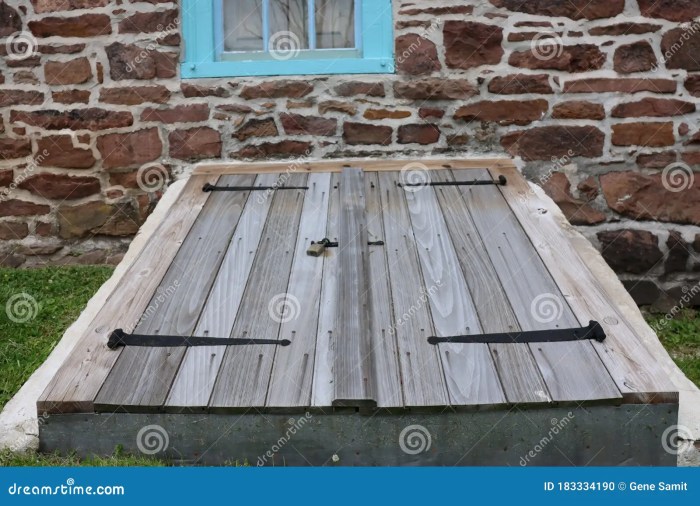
[205, 55]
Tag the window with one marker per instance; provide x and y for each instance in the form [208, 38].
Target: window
[225, 38]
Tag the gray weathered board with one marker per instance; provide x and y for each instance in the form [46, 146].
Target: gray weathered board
[454, 260]
[629, 435]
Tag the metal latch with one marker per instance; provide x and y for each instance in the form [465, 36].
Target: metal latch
[318, 247]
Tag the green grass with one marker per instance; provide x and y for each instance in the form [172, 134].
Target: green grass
[681, 337]
[43, 303]
[36, 307]
[8, 458]
[57, 295]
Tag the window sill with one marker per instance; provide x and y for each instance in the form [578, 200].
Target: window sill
[192, 70]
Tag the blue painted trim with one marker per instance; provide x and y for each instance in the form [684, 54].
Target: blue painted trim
[287, 68]
[358, 25]
[377, 33]
[376, 43]
[266, 24]
[311, 20]
[198, 30]
[219, 42]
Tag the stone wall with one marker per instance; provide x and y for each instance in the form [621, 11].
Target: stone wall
[596, 99]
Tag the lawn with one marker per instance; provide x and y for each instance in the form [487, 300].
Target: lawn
[36, 307]
[7, 458]
[681, 337]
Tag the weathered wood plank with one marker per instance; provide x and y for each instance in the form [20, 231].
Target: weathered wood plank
[322, 388]
[293, 366]
[385, 362]
[195, 378]
[515, 364]
[141, 377]
[77, 382]
[367, 164]
[534, 296]
[588, 380]
[353, 383]
[470, 371]
[637, 374]
[421, 368]
[244, 374]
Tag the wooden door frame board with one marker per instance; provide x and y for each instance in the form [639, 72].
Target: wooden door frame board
[616, 435]
[366, 164]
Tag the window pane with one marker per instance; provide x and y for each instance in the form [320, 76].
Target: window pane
[289, 21]
[335, 24]
[243, 26]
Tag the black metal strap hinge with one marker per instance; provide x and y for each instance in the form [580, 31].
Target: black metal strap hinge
[213, 188]
[501, 181]
[120, 338]
[592, 331]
